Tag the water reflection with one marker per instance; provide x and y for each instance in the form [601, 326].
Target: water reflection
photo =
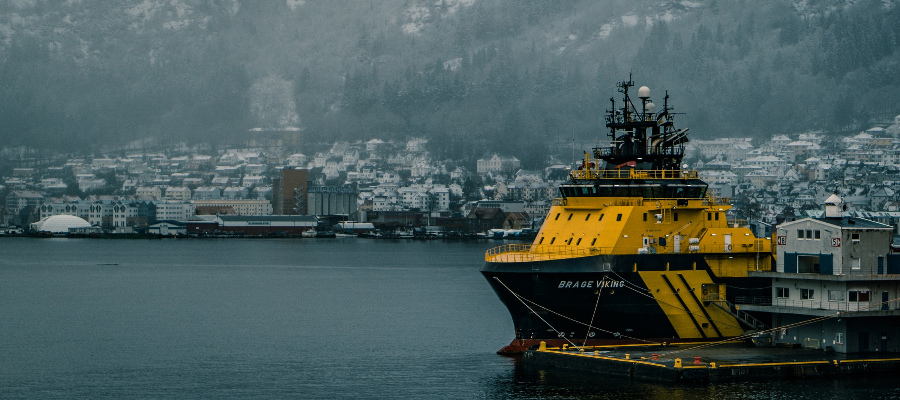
[522, 381]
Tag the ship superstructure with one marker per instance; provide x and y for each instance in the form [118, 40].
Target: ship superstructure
[635, 248]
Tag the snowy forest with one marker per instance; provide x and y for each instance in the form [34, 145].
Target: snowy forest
[472, 76]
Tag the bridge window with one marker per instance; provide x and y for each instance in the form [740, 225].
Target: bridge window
[709, 216]
[675, 217]
[856, 296]
[782, 292]
[717, 216]
[645, 217]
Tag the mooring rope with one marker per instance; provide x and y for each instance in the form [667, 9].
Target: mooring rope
[726, 323]
[558, 333]
[794, 325]
[523, 300]
[628, 282]
[594, 314]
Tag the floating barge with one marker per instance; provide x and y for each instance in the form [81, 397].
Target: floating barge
[689, 363]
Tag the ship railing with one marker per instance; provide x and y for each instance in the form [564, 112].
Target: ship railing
[738, 223]
[630, 173]
[717, 201]
[753, 300]
[819, 302]
[735, 311]
[614, 151]
[758, 246]
[528, 252]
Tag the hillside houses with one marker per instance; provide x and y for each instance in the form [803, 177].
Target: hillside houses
[795, 173]
[782, 177]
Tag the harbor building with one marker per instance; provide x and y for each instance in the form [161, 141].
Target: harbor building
[332, 200]
[289, 192]
[835, 285]
[252, 225]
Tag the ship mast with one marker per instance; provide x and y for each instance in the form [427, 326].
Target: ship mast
[641, 138]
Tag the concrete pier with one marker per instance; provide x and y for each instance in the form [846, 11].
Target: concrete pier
[722, 363]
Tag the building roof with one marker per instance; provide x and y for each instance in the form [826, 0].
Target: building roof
[59, 224]
[848, 222]
[268, 218]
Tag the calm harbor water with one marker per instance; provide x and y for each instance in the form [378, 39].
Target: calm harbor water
[338, 318]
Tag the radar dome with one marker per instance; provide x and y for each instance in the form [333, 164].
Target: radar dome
[59, 224]
[651, 108]
[644, 92]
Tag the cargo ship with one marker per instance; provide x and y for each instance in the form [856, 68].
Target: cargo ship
[635, 249]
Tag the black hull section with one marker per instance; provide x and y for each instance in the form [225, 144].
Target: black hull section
[544, 305]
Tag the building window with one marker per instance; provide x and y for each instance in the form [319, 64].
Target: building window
[854, 237]
[807, 294]
[854, 263]
[782, 292]
[835, 295]
[799, 233]
[860, 296]
[809, 234]
[818, 234]
[619, 217]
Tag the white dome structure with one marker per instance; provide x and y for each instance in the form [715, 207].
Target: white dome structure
[59, 224]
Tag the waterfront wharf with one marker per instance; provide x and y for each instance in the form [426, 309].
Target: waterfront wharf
[699, 363]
